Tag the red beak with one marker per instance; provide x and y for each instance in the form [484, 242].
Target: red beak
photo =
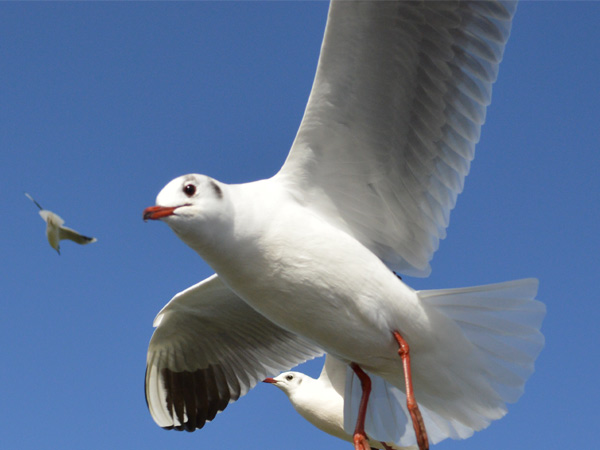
[270, 380]
[158, 212]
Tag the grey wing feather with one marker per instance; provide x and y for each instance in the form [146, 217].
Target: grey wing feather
[393, 117]
[209, 348]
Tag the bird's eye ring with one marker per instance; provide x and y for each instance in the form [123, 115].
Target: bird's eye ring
[189, 190]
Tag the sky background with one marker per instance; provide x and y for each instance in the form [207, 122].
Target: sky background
[102, 104]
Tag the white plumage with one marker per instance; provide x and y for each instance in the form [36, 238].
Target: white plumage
[56, 231]
[305, 259]
[321, 401]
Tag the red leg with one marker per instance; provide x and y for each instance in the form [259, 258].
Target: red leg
[411, 403]
[360, 437]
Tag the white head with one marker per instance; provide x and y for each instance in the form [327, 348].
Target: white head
[288, 382]
[193, 205]
[317, 402]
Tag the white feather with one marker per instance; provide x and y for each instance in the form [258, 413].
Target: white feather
[502, 321]
[386, 140]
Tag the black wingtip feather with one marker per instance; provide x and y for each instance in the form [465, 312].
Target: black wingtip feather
[194, 398]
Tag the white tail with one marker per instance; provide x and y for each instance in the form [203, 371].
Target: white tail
[503, 322]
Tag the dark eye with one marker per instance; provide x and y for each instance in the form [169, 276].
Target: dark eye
[289, 377]
[189, 190]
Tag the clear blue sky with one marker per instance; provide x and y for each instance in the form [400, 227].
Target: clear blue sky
[102, 104]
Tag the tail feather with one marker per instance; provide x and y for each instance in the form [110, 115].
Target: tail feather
[503, 322]
[388, 419]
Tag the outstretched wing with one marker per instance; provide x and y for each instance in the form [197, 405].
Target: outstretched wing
[72, 235]
[209, 348]
[32, 199]
[334, 373]
[393, 117]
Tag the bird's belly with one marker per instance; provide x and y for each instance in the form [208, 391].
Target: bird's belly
[338, 294]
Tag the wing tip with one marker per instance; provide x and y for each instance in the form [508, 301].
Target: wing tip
[185, 400]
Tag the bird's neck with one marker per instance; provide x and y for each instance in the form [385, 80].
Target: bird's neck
[234, 245]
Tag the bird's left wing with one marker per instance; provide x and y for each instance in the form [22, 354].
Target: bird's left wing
[393, 117]
[209, 348]
[32, 199]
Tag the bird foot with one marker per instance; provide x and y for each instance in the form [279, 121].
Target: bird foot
[419, 426]
[361, 442]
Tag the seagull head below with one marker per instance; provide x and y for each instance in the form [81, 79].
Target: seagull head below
[288, 381]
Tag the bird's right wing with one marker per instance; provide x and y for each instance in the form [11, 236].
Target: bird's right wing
[209, 348]
[72, 235]
[334, 373]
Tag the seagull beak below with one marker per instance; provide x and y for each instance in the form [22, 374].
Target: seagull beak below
[158, 212]
[270, 380]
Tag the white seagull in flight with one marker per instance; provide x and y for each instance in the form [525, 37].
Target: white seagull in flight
[321, 401]
[306, 261]
[56, 232]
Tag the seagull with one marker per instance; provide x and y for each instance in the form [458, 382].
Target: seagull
[56, 232]
[321, 400]
[305, 261]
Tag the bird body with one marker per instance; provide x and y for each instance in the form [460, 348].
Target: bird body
[313, 280]
[286, 258]
[305, 261]
[56, 231]
[53, 226]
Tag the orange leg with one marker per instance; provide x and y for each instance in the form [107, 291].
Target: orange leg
[411, 403]
[360, 437]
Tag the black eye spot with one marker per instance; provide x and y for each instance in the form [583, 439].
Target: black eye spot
[189, 190]
[289, 377]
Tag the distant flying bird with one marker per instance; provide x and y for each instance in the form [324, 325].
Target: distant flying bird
[321, 401]
[305, 260]
[56, 232]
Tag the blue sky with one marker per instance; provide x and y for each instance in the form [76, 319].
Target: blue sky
[102, 104]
